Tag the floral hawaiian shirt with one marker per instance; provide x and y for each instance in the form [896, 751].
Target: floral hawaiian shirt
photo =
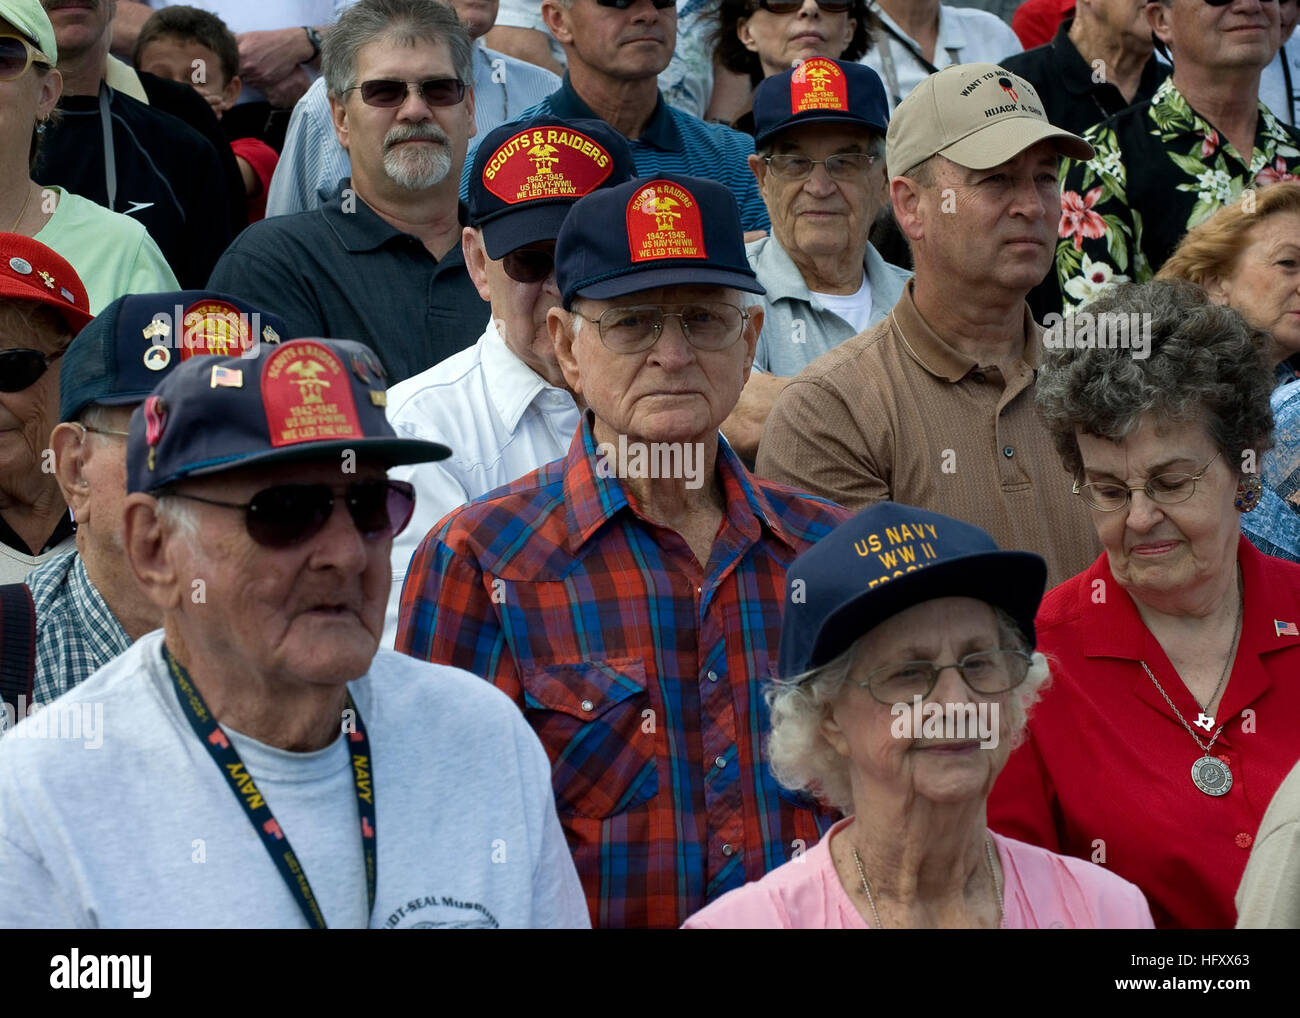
[1160, 168]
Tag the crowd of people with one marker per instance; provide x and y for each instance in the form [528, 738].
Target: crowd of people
[706, 464]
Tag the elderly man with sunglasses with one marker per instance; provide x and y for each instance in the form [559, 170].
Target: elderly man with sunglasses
[820, 165]
[628, 596]
[503, 405]
[88, 605]
[381, 261]
[265, 764]
[1165, 165]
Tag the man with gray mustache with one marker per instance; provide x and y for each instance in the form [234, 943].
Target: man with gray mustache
[381, 261]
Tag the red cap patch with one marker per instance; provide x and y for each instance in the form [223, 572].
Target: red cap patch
[548, 162]
[214, 327]
[308, 396]
[817, 84]
[663, 221]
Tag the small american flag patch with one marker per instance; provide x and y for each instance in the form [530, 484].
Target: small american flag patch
[230, 377]
[1286, 628]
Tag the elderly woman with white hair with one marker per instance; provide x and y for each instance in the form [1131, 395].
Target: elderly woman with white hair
[908, 652]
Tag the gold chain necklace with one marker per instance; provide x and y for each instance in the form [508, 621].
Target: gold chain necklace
[23, 211]
[988, 858]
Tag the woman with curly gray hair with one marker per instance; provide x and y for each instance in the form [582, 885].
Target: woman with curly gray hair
[908, 643]
[1171, 720]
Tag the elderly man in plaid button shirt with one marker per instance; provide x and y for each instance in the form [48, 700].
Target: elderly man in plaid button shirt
[628, 596]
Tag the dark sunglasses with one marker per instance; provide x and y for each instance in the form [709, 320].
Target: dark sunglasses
[21, 368]
[1224, 3]
[622, 5]
[529, 264]
[829, 6]
[288, 514]
[16, 55]
[387, 92]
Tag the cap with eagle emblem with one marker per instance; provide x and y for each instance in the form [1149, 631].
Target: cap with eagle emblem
[287, 401]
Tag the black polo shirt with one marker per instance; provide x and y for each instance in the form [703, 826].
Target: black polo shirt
[350, 275]
[1071, 99]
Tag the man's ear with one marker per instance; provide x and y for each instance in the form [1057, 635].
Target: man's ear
[145, 540]
[556, 18]
[758, 168]
[339, 114]
[1158, 17]
[905, 196]
[753, 328]
[70, 451]
[230, 93]
[557, 323]
[471, 246]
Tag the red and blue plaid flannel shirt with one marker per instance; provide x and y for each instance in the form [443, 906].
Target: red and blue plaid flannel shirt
[640, 671]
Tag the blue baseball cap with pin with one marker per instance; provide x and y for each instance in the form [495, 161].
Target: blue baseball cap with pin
[668, 230]
[890, 557]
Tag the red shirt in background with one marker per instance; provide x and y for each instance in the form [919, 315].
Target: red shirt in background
[1106, 767]
[1036, 21]
[262, 158]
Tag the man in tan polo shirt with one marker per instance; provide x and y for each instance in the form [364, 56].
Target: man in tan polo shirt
[933, 406]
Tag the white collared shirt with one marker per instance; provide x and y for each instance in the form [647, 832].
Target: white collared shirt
[966, 35]
[499, 418]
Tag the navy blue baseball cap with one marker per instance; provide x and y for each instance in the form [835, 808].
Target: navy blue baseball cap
[119, 358]
[667, 230]
[527, 175]
[306, 398]
[890, 557]
[820, 91]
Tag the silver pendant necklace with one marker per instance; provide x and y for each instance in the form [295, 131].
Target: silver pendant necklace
[1210, 774]
[988, 857]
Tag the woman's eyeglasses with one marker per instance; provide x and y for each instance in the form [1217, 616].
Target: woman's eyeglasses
[16, 55]
[289, 514]
[386, 93]
[21, 368]
[790, 6]
[986, 672]
[1167, 489]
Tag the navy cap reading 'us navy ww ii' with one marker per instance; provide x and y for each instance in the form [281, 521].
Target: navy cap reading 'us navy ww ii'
[295, 400]
[669, 230]
[890, 557]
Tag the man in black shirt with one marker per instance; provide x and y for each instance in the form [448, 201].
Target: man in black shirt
[1101, 60]
[381, 260]
[150, 165]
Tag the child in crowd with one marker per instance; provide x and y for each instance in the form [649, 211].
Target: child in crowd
[196, 48]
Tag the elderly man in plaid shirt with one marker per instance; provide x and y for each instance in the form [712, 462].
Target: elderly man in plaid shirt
[628, 596]
[89, 608]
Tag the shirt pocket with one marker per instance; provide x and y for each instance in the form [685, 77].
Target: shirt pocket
[591, 717]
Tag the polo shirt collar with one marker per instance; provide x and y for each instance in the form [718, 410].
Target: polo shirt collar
[591, 500]
[1116, 630]
[782, 278]
[512, 385]
[925, 346]
[660, 133]
[363, 229]
[1075, 72]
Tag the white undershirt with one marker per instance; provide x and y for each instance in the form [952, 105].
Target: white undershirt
[854, 308]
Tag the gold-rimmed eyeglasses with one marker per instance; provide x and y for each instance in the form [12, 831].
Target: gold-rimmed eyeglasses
[707, 325]
[1166, 489]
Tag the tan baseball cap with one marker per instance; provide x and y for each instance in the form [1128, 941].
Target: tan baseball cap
[977, 115]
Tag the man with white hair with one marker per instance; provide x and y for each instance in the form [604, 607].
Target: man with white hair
[258, 762]
[399, 74]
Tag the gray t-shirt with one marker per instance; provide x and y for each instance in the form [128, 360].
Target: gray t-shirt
[124, 820]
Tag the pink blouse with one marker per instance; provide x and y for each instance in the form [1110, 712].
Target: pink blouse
[1040, 890]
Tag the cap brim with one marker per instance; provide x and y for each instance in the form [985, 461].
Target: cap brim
[1011, 580]
[638, 279]
[995, 143]
[829, 117]
[392, 452]
[516, 228]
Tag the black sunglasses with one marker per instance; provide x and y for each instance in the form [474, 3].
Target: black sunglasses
[529, 264]
[829, 6]
[386, 93]
[622, 5]
[21, 368]
[288, 514]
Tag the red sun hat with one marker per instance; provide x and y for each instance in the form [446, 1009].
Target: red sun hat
[31, 271]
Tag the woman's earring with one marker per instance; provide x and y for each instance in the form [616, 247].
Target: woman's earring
[40, 125]
[1249, 489]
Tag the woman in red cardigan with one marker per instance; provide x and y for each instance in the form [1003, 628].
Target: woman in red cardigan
[1176, 657]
